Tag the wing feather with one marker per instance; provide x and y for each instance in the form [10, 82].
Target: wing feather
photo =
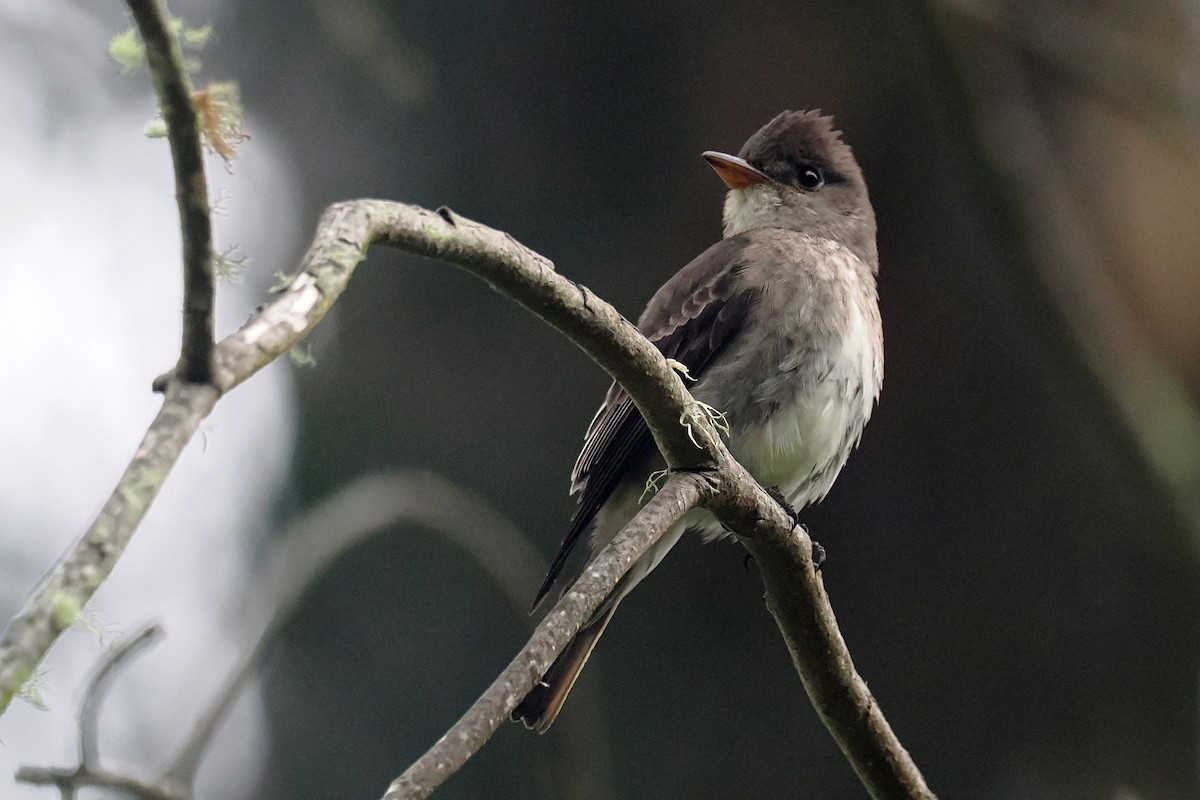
[695, 314]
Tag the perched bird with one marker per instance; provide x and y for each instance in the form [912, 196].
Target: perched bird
[778, 323]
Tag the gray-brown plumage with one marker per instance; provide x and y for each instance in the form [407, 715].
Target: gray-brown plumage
[778, 322]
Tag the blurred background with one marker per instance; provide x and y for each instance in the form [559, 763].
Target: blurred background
[1014, 550]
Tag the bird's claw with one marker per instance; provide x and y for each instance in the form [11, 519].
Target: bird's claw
[818, 556]
[778, 496]
[818, 552]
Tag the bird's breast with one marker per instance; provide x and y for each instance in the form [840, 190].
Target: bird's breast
[805, 382]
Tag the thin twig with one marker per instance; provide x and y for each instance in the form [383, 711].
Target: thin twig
[312, 543]
[681, 493]
[89, 712]
[69, 781]
[89, 772]
[174, 92]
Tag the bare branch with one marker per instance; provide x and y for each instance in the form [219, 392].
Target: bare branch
[174, 92]
[69, 781]
[89, 772]
[592, 324]
[354, 513]
[62, 594]
[681, 493]
[89, 712]
[796, 598]
[343, 236]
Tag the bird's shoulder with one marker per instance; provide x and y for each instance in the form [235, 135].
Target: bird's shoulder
[711, 277]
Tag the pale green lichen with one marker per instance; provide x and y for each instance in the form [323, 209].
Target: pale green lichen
[698, 411]
[301, 356]
[155, 129]
[229, 266]
[64, 608]
[653, 483]
[33, 690]
[681, 368]
[437, 234]
[331, 276]
[194, 38]
[282, 281]
[91, 622]
[127, 50]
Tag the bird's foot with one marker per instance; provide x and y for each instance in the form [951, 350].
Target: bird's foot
[818, 552]
[818, 555]
[778, 496]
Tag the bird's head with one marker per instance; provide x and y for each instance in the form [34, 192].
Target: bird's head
[796, 173]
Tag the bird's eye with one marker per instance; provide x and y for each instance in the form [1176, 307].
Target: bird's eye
[811, 177]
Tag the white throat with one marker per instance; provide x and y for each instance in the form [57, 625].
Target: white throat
[757, 206]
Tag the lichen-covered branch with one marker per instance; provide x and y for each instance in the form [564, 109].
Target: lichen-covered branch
[174, 92]
[57, 601]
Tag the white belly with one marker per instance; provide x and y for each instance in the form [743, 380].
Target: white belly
[802, 446]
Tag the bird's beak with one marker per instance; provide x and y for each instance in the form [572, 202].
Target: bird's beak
[736, 172]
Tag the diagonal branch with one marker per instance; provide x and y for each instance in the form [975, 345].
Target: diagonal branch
[343, 236]
[174, 92]
[681, 493]
[796, 597]
[58, 599]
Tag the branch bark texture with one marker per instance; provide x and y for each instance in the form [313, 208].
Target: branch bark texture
[174, 92]
[796, 598]
[57, 601]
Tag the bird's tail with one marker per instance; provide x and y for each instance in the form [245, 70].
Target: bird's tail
[540, 707]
